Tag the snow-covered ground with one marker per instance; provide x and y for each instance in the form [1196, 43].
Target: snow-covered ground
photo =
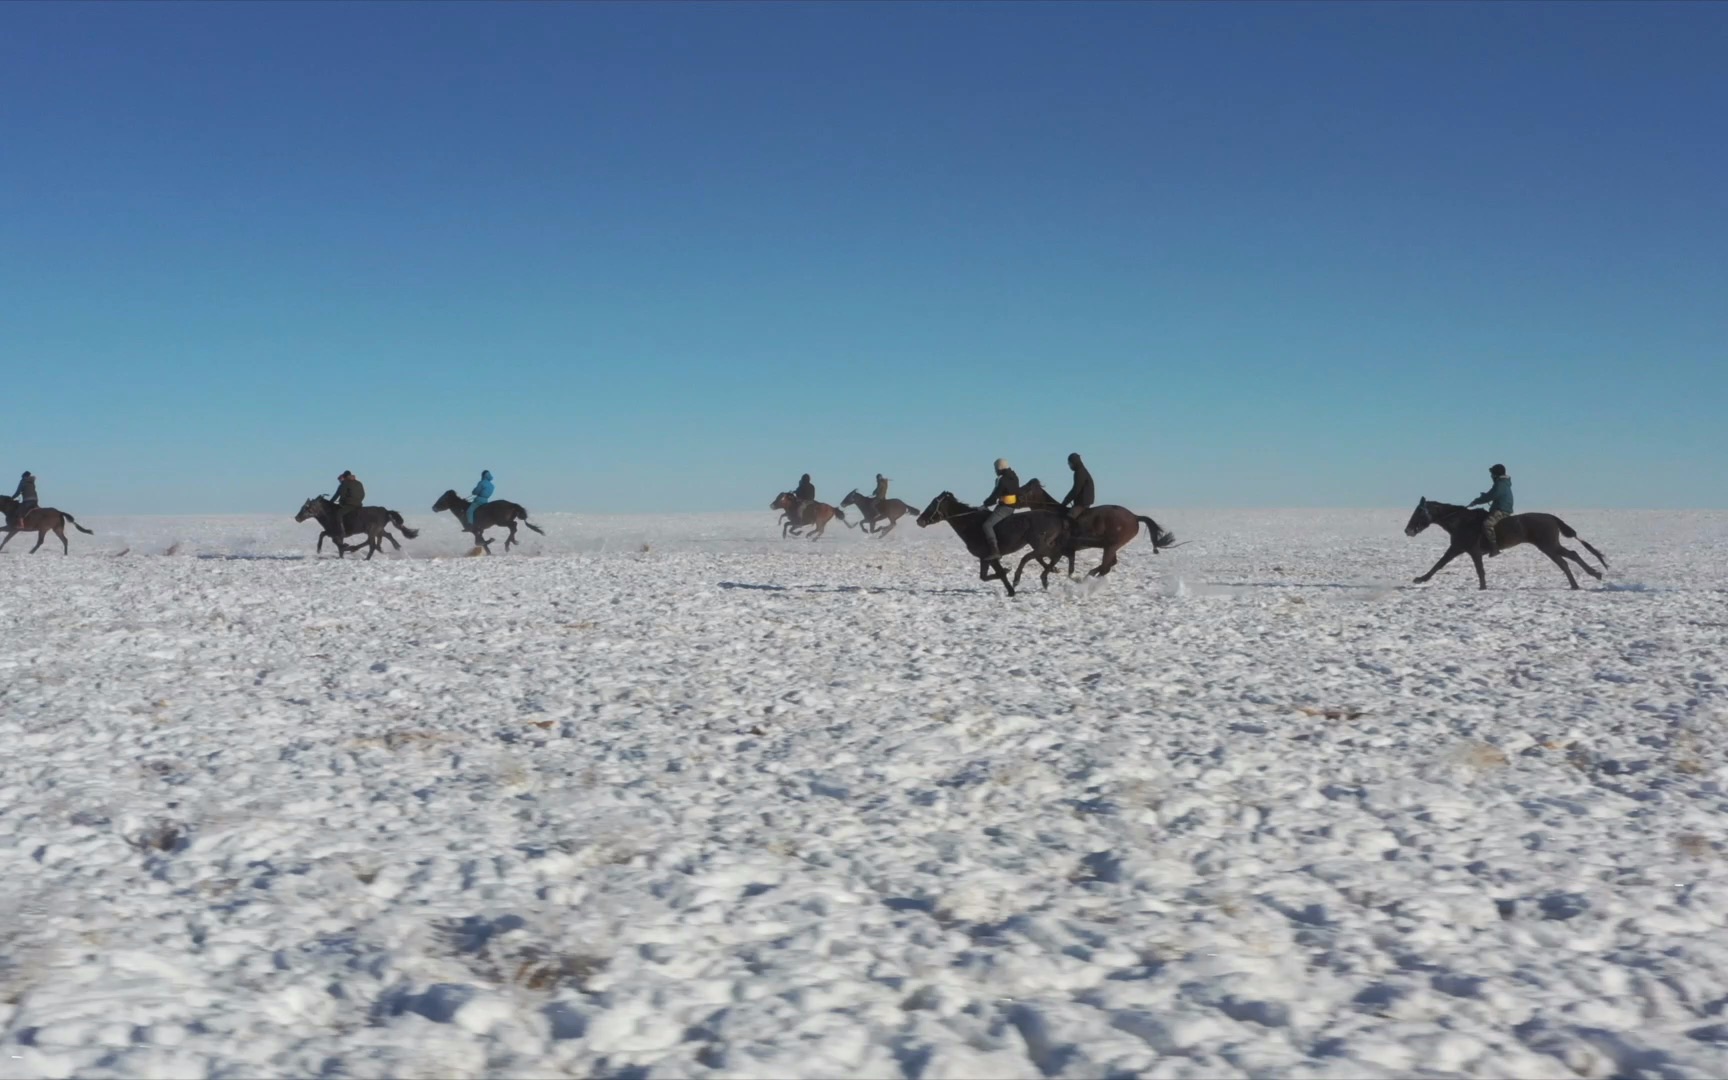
[673, 797]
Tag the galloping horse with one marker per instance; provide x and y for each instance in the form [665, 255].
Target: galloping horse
[876, 510]
[1464, 525]
[1108, 526]
[1049, 535]
[42, 521]
[498, 512]
[368, 520]
[803, 513]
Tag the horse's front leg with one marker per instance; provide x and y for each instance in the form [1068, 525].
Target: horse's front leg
[1002, 575]
[1030, 555]
[1451, 553]
[1482, 575]
[10, 533]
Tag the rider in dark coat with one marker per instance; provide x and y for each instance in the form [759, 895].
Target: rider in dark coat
[1005, 497]
[806, 490]
[881, 488]
[1082, 495]
[350, 496]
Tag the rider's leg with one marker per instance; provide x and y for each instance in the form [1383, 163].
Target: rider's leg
[997, 515]
[1488, 526]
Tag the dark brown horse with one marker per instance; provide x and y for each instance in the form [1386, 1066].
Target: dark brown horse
[369, 521]
[1464, 526]
[1049, 535]
[1109, 526]
[800, 514]
[876, 511]
[499, 512]
[42, 520]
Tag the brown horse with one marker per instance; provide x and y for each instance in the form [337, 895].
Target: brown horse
[499, 512]
[803, 513]
[370, 521]
[1109, 526]
[1464, 526]
[876, 510]
[42, 521]
[1049, 535]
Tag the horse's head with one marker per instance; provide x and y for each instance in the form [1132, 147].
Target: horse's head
[447, 501]
[851, 499]
[8, 504]
[783, 501]
[941, 508]
[1420, 519]
[312, 507]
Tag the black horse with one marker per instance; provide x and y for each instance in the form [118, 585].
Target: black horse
[1464, 525]
[876, 511]
[1050, 536]
[370, 521]
[499, 512]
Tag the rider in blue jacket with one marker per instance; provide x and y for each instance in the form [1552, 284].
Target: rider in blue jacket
[482, 494]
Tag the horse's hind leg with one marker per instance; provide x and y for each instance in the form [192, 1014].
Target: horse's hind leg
[1579, 559]
[65, 548]
[1109, 562]
[1554, 553]
[1029, 556]
[393, 541]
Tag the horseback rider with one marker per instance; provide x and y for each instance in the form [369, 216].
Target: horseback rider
[350, 496]
[881, 495]
[1082, 495]
[1005, 497]
[482, 493]
[26, 496]
[806, 491]
[1499, 500]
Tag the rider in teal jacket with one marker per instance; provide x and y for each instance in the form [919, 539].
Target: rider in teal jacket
[482, 494]
[1499, 500]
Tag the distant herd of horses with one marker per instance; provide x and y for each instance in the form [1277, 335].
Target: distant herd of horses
[1047, 531]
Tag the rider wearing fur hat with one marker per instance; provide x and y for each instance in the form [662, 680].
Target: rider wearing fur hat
[350, 496]
[1005, 497]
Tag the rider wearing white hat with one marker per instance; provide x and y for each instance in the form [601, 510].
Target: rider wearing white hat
[1005, 497]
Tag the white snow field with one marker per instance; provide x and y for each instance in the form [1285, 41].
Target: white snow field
[738, 806]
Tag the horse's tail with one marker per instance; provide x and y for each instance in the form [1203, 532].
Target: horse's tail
[1572, 534]
[522, 516]
[1161, 538]
[92, 532]
[840, 516]
[396, 520]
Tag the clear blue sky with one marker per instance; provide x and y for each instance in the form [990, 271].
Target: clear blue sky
[672, 255]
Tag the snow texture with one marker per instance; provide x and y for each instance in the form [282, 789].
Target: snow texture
[673, 797]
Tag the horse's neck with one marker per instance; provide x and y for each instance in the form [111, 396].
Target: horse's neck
[1447, 514]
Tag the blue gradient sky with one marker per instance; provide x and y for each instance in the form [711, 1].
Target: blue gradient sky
[671, 255]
